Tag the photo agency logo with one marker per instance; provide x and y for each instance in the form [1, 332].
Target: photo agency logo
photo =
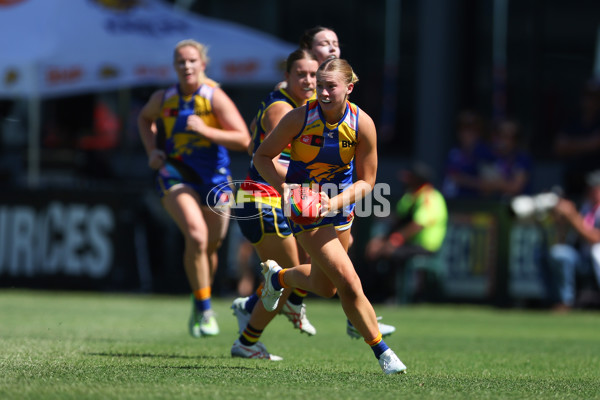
[247, 200]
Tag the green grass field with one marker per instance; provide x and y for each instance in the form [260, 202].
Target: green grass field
[106, 346]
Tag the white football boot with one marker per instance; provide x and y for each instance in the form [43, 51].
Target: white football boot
[386, 330]
[270, 296]
[390, 363]
[256, 351]
[239, 310]
[297, 316]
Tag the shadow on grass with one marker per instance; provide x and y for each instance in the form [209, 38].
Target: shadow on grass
[150, 355]
[229, 367]
[173, 356]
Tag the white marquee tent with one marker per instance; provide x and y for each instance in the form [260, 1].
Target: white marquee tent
[53, 48]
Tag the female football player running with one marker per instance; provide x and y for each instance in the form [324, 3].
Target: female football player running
[186, 131]
[329, 137]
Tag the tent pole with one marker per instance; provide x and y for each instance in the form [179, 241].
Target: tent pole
[499, 64]
[33, 151]
[596, 72]
[391, 61]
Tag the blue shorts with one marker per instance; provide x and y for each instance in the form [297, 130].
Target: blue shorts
[257, 219]
[218, 190]
[340, 221]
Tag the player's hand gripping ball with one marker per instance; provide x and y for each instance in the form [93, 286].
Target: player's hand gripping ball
[305, 206]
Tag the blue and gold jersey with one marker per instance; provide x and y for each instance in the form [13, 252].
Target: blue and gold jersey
[255, 188]
[201, 155]
[324, 153]
[258, 134]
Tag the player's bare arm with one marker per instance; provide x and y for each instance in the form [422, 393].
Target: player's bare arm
[269, 121]
[234, 134]
[147, 129]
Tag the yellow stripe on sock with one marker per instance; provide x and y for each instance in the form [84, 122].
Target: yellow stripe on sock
[249, 338]
[300, 292]
[251, 335]
[374, 342]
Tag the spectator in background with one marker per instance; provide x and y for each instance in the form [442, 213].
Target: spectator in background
[579, 254]
[465, 161]
[578, 142]
[419, 228]
[508, 174]
[106, 130]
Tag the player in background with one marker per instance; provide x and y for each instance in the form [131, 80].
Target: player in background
[329, 138]
[259, 211]
[187, 131]
[322, 42]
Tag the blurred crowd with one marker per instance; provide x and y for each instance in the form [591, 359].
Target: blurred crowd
[482, 164]
[491, 160]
